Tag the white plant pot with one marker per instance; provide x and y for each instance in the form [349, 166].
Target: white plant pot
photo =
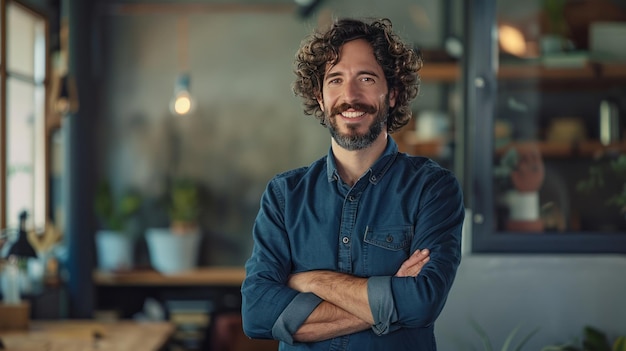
[114, 250]
[172, 253]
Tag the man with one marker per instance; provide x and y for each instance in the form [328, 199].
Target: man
[357, 251]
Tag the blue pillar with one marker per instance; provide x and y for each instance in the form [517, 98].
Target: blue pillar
[80, 155]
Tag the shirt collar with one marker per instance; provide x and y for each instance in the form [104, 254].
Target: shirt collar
[378, 169]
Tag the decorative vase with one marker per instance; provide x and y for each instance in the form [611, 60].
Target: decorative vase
[170, 252]
[527, 178]
[114, 250]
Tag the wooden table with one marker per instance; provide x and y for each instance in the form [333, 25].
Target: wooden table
[79, 335]
[205, 291]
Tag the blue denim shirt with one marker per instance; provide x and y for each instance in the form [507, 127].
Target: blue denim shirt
[309, 219]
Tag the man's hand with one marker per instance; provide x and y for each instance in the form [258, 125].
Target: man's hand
[413, 265]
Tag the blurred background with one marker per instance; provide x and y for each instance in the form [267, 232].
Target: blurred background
[166, 119]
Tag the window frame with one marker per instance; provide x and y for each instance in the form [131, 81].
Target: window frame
[480, 94]
[48, 126]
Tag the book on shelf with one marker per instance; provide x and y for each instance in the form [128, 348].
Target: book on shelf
[192, 319]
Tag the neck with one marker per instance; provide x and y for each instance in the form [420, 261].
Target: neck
[352, 164]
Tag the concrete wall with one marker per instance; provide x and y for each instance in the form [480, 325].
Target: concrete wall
[559, 294]
[247, 126]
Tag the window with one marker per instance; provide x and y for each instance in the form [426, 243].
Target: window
[23, 95]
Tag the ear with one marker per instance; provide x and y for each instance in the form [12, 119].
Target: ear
[393, 94]
[320, 101]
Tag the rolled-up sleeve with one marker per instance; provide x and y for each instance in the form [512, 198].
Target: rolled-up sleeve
[294, 316]
[382, 304]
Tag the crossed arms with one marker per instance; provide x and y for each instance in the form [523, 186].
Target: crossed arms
[346, 308]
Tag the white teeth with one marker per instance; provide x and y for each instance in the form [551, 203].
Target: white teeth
[352, 114]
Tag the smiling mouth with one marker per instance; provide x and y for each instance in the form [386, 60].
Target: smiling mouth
[352, 114]
[353, 111]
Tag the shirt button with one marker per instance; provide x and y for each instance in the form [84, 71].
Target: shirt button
[345, 240]
[389, 238]
[373, 178]
[351, 198]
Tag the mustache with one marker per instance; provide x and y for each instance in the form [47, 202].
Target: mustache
[358, 106]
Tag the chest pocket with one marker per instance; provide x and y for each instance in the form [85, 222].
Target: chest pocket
[394, 238]
[385, 248]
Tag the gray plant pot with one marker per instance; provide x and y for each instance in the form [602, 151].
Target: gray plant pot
[114, 250]
[172, 253]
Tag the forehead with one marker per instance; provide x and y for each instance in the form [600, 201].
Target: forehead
[357, 55]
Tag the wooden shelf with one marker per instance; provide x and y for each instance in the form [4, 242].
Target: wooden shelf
[588, 148]
[614, 70]
[204, 276]
[545, 73]
[440, 72]
[451, 72]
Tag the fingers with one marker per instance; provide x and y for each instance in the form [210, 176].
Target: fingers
[413, 265]
[417, 258]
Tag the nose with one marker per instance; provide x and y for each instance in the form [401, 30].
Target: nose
[351, 91]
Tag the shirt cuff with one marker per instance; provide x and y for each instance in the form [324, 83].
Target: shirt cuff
[293, 316]
[381, 304]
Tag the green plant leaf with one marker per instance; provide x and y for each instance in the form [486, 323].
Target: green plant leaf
[566, 347]
[103, 204]
[129, 204]
[526, 338]
[620, 344]
[509, 339]
[619, 165]
[112, 214]
[184, 201]
[483, 335]
[595, 340]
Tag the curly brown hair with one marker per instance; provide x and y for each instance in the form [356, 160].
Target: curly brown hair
[399, 62]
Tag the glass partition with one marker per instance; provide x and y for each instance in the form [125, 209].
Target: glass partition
[550, 97]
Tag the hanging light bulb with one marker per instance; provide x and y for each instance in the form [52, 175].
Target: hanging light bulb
[182, 102]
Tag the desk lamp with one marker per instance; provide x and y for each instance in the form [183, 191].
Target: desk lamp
[22, 247]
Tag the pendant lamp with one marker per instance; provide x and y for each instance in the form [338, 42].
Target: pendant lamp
[182, 102]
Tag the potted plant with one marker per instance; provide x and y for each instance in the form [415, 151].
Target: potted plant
[555, 31]
[175, 249]
[519, 177]
[611, 168]
[508, 342]
[115, 239]
[593, 340]
[184, 204]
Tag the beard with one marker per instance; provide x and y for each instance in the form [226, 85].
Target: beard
[353, 140]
